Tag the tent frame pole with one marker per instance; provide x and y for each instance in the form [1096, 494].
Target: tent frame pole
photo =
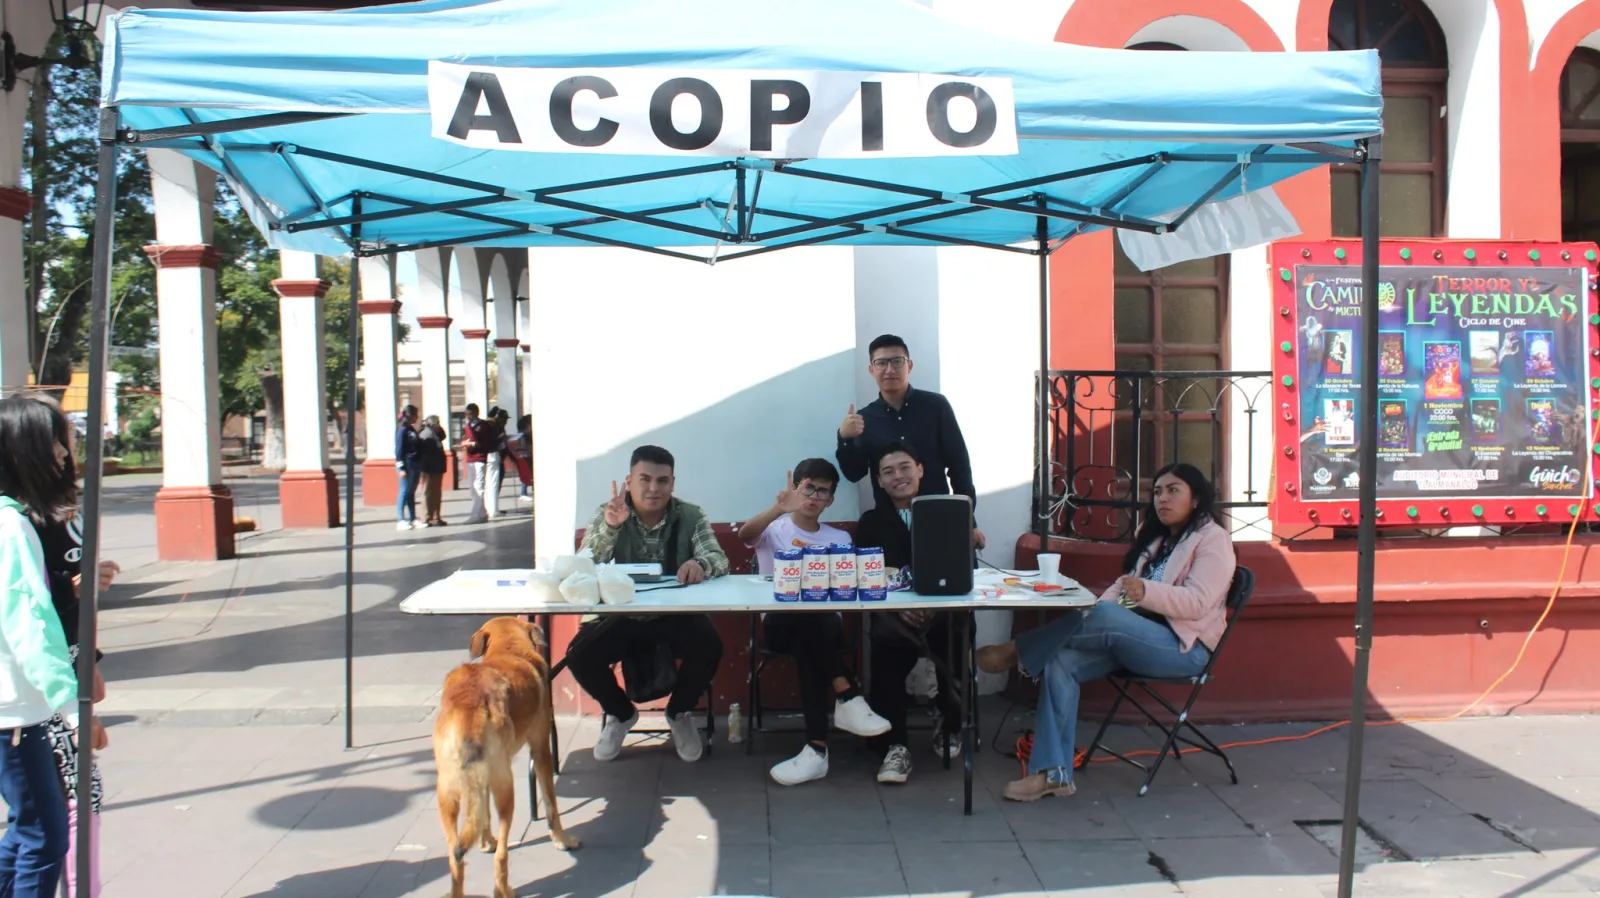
[105, 202]
[351, 400]
[1368, 534]
[1041, 512]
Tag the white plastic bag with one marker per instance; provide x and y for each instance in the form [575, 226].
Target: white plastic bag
[546, 587]
[616, 588]
[581, 589]
[567, 565]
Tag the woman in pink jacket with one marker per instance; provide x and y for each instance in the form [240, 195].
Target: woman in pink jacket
[1162, 618]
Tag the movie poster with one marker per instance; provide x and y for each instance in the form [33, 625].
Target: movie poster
[1482, 387]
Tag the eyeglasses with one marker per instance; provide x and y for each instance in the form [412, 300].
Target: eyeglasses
[818, 492]
[897, 363]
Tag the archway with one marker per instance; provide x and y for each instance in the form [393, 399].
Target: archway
[1579, 98]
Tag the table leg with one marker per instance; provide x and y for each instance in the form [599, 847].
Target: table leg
[555, 669]
[969, 707]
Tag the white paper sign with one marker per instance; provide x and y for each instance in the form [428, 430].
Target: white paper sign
[1247, 220]
[774, 114]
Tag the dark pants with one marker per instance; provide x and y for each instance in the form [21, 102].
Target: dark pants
[893, 657]
[406, 504]
[816, 643]
[35, 843]
[694, 643]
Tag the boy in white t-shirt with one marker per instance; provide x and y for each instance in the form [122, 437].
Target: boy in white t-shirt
[815, 639]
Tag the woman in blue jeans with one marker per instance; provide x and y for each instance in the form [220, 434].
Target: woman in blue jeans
[407, 468]
[36, 677]
[1161, 618]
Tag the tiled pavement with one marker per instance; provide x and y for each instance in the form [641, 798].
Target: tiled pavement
[227, 774]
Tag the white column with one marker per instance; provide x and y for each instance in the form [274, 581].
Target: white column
[379, 310]
[525, 336]
[470, 319]
[29, 25]
[505, 335]
[194, 512]
[308, 491]
[433, 289]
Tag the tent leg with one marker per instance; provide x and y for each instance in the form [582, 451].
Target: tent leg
[1041, 511]
[105, 208]
[351, 402]
[1368, 535]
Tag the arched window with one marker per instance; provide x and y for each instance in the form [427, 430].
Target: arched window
[1416, 66]
[1580, 146]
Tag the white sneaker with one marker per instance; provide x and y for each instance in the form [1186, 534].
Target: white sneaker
[609, 745]
[856, 716]
[955, 744]
[810, 764]
[686, 737]
[896, 765]
[403, 525]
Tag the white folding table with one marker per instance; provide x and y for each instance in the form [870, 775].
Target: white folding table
[506, 592]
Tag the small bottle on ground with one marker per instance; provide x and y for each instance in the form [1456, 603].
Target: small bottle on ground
[735, 723]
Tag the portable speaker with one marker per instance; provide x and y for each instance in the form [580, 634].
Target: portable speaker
[942, 553]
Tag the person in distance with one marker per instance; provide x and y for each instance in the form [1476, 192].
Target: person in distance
[1162, 618]
[646, 523]
[814, 639]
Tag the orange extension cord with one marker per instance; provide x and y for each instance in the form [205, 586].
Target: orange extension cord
[1025, 741]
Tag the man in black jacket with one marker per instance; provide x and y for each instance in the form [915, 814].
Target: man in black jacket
[901, 413]
[897, 471]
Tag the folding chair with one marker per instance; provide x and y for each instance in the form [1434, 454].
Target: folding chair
[758, 655]
[1244, 583]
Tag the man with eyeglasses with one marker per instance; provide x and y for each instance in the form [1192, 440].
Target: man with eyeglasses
[814, 639]
[901, 413]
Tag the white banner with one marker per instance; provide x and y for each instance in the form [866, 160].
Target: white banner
[1249, 219]
[722, 112]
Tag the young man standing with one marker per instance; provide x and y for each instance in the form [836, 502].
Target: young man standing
[898, 472]
[476, 445]
[922, 418]
[815, 639]
[642, 524]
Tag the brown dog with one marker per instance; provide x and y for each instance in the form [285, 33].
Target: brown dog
[489, 710]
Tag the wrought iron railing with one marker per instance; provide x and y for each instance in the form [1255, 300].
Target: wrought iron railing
[1110, 431]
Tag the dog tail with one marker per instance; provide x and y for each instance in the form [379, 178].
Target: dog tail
[470, 773]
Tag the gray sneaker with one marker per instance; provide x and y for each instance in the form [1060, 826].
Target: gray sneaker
[896, 765]
[609, 745]
[686, 737]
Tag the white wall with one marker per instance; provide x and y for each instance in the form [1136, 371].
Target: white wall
[739, 370]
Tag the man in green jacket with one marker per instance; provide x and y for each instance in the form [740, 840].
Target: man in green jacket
[644, 523]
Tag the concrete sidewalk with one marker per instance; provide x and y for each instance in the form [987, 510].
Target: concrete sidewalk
[227, 774]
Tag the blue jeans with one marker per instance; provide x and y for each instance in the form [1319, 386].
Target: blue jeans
[35, 843]
[407, 501]
[1086, 645]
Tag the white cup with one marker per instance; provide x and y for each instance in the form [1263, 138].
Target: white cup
[1049, 568]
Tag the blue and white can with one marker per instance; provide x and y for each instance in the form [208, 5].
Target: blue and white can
[842, 572]
[814, 574]
[872, 581]
[786, 567]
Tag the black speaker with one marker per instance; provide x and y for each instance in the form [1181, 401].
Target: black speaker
[942, 553]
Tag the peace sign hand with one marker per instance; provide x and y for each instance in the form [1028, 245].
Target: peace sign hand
[790, 498]
[617, 508]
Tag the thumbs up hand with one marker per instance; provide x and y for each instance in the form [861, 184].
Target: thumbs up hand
[854, 425]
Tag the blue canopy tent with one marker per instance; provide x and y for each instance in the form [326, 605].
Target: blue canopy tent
[389, 129]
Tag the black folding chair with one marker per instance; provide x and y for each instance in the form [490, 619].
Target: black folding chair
[759, 655]
[1244, 583]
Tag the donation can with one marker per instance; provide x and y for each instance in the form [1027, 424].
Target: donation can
[873, 584]
[786, 568]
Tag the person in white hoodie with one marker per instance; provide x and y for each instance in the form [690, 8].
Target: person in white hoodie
[36, 677]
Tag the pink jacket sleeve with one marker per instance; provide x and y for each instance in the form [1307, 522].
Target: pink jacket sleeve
[1205, 587]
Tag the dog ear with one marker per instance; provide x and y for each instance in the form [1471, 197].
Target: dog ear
[479, 644]
[535, 632]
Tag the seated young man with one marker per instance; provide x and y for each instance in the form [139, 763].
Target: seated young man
[641, 524]
[899, 474]
[815, 639]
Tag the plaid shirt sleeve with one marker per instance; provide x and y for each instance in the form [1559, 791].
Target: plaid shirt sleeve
[708, 551]
[600, 537]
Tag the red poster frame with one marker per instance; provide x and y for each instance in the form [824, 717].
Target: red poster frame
[1287, 505]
